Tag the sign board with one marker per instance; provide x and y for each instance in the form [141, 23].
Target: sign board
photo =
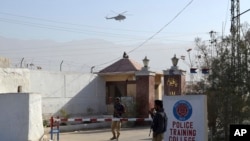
[187, 118]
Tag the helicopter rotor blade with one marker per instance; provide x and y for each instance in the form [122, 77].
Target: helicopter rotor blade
[124, 12]
[113, 12]
[118, 13]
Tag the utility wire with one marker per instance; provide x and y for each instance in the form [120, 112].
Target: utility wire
[224, 26]
[74, 30]
[62, 28]
[151, 37]
[58, 22]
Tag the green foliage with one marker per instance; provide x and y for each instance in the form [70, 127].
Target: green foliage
[45, 123]
[64, 114]
[130, 110]
[228, 87]
[90, 111]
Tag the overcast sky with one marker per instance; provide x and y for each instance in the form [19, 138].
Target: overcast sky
[47, 32]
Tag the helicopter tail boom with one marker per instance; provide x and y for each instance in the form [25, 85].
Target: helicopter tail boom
[109, 18]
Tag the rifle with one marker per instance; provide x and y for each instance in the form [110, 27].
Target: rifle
[150, 131]
[152, 112]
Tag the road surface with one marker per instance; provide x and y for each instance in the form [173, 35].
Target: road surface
[127, 134]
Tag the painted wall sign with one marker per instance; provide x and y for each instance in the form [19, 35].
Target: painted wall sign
[187, 118]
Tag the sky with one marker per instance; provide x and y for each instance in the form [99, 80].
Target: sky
[74, 35]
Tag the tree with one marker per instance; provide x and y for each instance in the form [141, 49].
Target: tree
[228, 84]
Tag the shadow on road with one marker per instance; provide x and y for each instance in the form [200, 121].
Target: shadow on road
[147, 139]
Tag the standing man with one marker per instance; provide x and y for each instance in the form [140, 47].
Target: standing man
[160, 119]
[119, 109]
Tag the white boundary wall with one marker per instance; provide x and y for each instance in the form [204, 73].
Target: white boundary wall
[21, 117]
[75, 93]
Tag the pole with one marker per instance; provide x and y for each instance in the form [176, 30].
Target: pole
[21, 64]
[150, 131]
[51, 128]
[57, 128]
[61, 66]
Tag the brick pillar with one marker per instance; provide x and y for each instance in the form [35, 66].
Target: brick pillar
[174, 82]
[145, 92]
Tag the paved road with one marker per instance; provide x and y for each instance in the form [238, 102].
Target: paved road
[127, 134]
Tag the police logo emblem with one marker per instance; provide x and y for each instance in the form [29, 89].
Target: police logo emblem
[182, 110]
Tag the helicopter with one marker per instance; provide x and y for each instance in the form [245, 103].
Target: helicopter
[119, 17]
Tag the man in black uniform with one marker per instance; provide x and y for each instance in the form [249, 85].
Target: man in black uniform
[119, 109]
[159, 124]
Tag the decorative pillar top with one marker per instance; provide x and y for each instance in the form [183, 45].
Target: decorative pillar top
[175, 60]
[145, 69]
[145, 62]
[174, 70]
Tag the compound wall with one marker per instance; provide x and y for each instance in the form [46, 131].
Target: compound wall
[73, 93]
[62, 92]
